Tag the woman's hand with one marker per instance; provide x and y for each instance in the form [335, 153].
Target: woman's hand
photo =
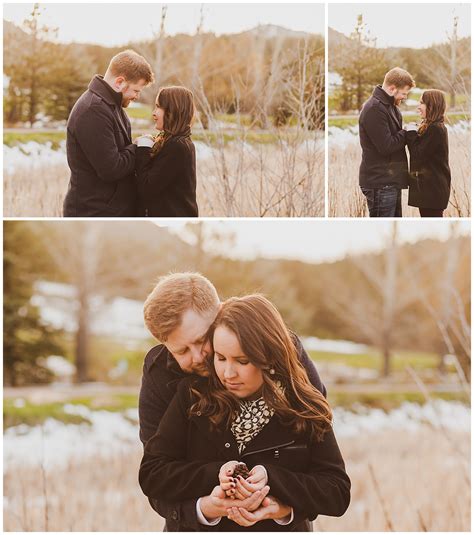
[146, 140]
[257, 479]
[271, 508]
[227, 482]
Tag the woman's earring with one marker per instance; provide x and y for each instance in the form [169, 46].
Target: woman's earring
[272, 371]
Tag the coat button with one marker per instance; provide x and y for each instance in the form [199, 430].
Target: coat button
[174, 515]
[227, 445]
[198, 413]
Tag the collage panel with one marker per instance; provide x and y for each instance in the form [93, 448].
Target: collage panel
[399, 112]
[201, 329]
[366, 322]
[175, 110]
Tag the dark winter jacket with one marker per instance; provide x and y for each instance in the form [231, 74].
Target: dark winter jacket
[382, 138]
[167, 182]
[160, 380]
[430, 176]
[182, 461]
[101, 156]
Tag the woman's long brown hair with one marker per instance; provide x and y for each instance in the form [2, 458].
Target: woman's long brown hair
[177, 103]
[435, 108]
[268, 344]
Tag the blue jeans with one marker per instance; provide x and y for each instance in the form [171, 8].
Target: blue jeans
[384, 202]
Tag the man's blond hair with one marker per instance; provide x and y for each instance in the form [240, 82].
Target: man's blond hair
[131, 66]
[399, 78]
[172, 296]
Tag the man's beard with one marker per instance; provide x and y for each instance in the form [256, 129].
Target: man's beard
[200, 369]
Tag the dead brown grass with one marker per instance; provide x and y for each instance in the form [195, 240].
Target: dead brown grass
[422, 480]
[346, 199]
[278, 180]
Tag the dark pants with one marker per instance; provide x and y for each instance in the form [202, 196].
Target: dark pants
[384, 202]
[430, 212]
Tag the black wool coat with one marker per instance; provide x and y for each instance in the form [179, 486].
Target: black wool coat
[430, 176]
[182, 462]
[101, 156]
[382, 138]
[160, 380]
[167, 182]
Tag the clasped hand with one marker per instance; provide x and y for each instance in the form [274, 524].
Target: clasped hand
[244, 501]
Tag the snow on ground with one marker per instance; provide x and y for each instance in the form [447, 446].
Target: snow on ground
[55, 443]
[312, 343]
[342, 137]
[32, 154]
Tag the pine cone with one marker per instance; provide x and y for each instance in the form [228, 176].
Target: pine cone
[241, 470]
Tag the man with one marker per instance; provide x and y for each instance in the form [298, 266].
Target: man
[100, 151]
[179, 312]
[384, 168]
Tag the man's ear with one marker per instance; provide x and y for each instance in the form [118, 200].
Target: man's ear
[392, 89]
[119, 83]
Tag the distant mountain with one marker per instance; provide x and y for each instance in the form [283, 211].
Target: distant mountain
[272, 30]
[336, 39]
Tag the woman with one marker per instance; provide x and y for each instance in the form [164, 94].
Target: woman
[166, 164]
[256, 406]
[430, 176]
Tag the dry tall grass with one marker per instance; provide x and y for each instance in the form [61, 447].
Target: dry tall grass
[346, 199]
[239, 180]
[421, 483]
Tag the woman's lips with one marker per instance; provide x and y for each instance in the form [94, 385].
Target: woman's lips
[233, 386]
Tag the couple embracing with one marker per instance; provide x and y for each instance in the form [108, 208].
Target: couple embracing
[384, 170]
[111, 176]
[236, 428]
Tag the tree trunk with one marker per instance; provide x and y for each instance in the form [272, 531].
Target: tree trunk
[82, 340]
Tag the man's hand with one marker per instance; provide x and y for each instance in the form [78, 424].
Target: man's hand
[411, 127]
[217, 504]
[271, 508]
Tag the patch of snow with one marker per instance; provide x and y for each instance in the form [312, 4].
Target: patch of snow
[333, 346]
[32, 155]
[60, 366]
[440, 414]
[341, 137]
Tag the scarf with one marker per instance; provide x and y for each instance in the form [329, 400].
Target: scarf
[252, 418]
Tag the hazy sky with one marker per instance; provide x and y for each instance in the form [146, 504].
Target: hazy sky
[410, 25]
[120, 23]
[317, 241]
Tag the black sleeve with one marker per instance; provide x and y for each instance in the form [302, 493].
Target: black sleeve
[165, 473]
[323, 490]
[155, 174]
[152, 405]
[422, 148]
[95, 135]
[309, 366]
[375, 123]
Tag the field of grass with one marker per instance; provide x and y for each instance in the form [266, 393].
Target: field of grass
[400, 360]
[141, 112]
[28, 413]
[261, 174]
[13, 139]
[346, 199]
[410, 481]
[346, 122]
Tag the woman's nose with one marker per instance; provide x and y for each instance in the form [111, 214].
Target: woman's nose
[229, 371]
